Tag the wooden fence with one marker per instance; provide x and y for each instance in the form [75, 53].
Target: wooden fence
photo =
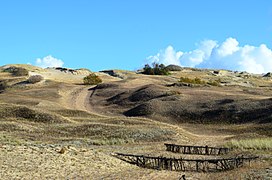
[199, 150]
[180, 164]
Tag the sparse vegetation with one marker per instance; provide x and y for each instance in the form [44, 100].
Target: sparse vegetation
[35, 79]
[111, 141]
[199, 81]
[24, 113]
[156, 69]
[3, 85]
[255, 144]
[191, 81]
[92, 79]
[17, 71]
[215, 82]
[38, 122]
[174, 68]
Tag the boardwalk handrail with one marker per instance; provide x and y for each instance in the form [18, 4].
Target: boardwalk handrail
[182, 164]
[199, 150]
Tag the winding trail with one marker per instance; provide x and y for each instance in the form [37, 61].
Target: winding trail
[78, 98]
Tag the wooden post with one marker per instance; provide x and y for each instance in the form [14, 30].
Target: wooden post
[197, 166]
[206, 150]
[219, 152]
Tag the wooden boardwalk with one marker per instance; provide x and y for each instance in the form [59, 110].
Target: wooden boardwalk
[198, 150]
[180, 164]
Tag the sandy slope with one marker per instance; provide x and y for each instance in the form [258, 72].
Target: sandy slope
[37, 160]
[45, 162]
[78, 98]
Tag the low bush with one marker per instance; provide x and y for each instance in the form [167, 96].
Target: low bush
[92, 79]
[35, 79]
[3, 85]
[199, 81]
[17, 71]
[156, 69]
[192, 81]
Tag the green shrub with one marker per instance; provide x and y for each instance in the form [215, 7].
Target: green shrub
[92, 79]
[35, 79]
[157, 69]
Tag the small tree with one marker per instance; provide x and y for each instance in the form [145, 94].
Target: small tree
[35, 79]
[92, 79]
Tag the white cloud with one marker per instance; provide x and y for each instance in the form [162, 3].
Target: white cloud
[227, 55]
[228, 47]
[195, 57]
[167, 56]
[49, 61]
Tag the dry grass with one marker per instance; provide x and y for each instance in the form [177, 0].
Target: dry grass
[8, 111]
[257, 170]
[71, 113]
[36, 122]
[255, 144]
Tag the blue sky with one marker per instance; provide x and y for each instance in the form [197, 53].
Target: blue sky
[107, 34]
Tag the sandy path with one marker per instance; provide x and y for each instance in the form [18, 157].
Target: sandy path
[77, 98]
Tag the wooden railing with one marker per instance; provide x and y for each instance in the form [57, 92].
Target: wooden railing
[199, 150]
[180, 164]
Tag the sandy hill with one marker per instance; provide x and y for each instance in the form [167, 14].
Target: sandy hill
[59, 128]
